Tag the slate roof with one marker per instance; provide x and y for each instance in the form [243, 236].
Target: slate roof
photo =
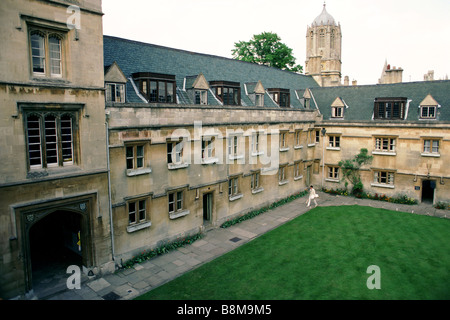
[360, 99]
[133, 56]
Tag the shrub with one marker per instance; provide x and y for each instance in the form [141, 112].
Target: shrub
[165, 248]
[402, 199]
[257, 212]
[442, 205]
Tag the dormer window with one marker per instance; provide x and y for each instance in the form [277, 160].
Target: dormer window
[428, 112]
[229, 93]
[337, 112]
[156, 87]
[280, 96]
[255, 92]
[389, 108]
[115, 92]
[337, 108]
[307, 99]
[259, 100]
[201, 97]
[197, 89]
[428, 108]
[115, 82]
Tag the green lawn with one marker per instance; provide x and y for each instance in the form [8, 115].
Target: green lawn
[324, 254]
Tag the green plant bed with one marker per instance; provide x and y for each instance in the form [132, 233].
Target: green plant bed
[401, 199]
[165, 248]
[324, 254]
[257, 212]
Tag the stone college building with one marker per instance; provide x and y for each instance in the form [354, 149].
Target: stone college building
[111, 147]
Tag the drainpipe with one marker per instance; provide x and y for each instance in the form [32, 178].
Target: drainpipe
[324, 131]
[109, 190]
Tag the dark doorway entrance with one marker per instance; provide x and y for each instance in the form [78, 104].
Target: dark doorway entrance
[54, 245]
[207, 207]
[428, 187]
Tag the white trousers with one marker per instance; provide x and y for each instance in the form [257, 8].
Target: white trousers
[309, 201]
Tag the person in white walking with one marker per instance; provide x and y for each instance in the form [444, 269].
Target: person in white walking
[312, 196]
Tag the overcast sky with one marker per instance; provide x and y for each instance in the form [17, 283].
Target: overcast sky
[411, 34]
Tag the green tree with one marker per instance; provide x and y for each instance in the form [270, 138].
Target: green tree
[266, 49]
[350, 170]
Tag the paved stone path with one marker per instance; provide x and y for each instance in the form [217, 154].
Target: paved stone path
[128, 283]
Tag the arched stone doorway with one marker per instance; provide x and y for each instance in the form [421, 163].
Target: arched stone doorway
[54, 245]
[54, 238]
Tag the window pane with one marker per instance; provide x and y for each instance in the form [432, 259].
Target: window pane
[144, 87]
[51, 145]
[388, 109]
[55, 55]
[258, 100]
[170, 92]
[34, 141]
[178, 150]
[153, 91]
[385, 144]
[381, 110]
[392, 145]
[179, 200]
[171, 202]
[132, 212]
[426, 146]
[236, 97]
[197, 97]
[396, 110]
[119, 93]
[431, 112]
[130, 158]
[161, 91]
[38, 53]
[435, 146]
[66, 138]
[141, 210]
[383, 177]
[169, 152]
[140, 156]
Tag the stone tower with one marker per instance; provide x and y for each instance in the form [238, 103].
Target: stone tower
[323, 50]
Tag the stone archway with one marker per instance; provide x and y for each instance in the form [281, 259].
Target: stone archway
[54, 238]
[54, 245]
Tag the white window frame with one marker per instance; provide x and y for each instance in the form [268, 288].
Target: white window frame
[51, 60]
[385, 146]
[334, 142]
[431, 147]
[115, 92]
[202, 97]
[383, 178]
[427, 116]
[234, 189]
[282, 175]
[333, 174]
[138, 211]
[259, 100]
[337, 112]
[298, 170]
[176, 154]
[140, 222]
[255, 183]
[58, 138]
